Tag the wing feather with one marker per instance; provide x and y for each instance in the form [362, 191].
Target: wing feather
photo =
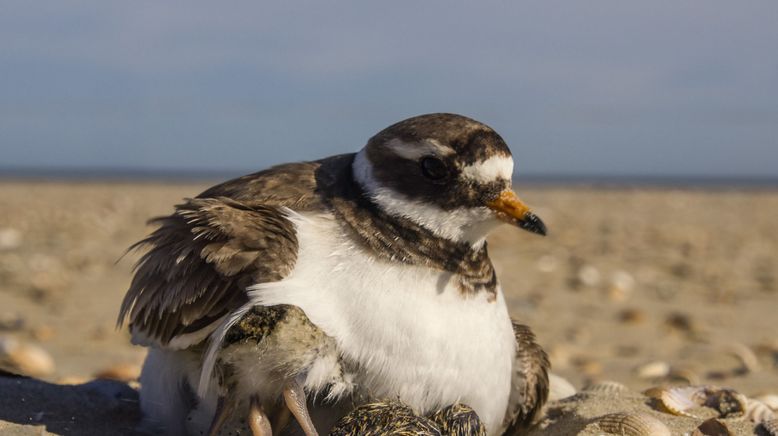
[199, 262]
[529, 384]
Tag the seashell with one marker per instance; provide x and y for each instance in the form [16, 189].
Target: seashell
[757, 411]
[657, 369]
[632, 424]
[747, 358]
[770, 400]
[769, 427]
[712, 427]
[679, 400]
[559, 388]
[124, 372]
[606, 387]
[589, 275]
[24, 359]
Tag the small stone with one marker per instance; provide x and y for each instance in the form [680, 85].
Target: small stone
[24, 359]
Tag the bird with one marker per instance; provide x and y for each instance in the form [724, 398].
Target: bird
[392, 417]
[383, 250]
[271, 343]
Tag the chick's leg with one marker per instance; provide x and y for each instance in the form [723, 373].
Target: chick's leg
[294, 396]
[258, 420]
[224, 408]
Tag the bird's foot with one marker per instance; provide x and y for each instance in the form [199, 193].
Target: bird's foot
[294, 396]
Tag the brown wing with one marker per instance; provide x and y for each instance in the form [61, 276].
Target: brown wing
[529, 384]
[200, 261]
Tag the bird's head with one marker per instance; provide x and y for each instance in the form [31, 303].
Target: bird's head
[445, 172]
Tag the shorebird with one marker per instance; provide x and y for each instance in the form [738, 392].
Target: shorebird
[384, 251]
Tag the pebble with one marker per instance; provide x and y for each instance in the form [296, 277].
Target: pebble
[651, 370]
[24, 359]
[125, 372]
[10, 238]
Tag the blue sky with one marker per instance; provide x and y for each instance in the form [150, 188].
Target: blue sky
[676, 88]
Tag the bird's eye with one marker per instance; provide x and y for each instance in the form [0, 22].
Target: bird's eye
[433, 168]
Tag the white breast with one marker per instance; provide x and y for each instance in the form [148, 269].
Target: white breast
[413, 334]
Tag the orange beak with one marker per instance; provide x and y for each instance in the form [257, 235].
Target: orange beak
[512, 210]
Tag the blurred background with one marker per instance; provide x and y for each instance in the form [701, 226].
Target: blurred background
[645, 133]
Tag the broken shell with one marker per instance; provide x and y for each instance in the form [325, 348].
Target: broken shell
[607, 387]
[757, 411]
[24, 359]
[632, 424]
[712, 427]
[678, 400]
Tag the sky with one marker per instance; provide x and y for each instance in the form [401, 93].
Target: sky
[604, 88]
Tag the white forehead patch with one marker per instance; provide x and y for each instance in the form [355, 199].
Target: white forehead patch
[494, 168]
[413, 151]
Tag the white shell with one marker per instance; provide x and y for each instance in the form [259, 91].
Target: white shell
[757, 411]
[770, 400]
[632, 424]
[678, 400]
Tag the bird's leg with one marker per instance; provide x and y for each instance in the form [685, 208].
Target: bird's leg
[294, 395]
[224, 408]
[258, 420]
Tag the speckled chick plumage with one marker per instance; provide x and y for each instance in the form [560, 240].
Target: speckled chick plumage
[392, 417]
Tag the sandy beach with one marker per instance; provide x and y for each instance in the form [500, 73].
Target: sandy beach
[645, 287]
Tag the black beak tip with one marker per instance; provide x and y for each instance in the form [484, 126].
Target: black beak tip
[533, 224]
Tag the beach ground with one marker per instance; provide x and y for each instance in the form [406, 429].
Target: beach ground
[644, 286]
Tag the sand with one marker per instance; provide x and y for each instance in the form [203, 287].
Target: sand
[681, 284]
